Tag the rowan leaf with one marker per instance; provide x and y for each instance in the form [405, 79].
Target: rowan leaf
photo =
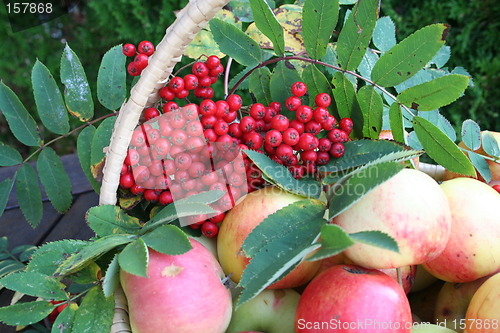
[48, 99]
[167, 239]
[106, 220]
[112, 277]
[65, 319]
[134, 258]
[25, 313]
[490, 144]
[5, 189]
[344, 96]
[84, 149]
[9, 156]
[95, 313]
[319, 18]
[334, 240]
[315, 80]
[407, 57]
[371, 105]
[267, 23]
[48, 257]
[259, 85]
[35, 284]
[77, 92]
[21, 123]
[481, 165]
[384, 35]
[281, 82]
[100, 141]
[111, 79]
[471, 134]
[29, 195]
[396, 122]
[376, 238]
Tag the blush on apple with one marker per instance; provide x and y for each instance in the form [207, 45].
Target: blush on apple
[348, 298]
[182, 294]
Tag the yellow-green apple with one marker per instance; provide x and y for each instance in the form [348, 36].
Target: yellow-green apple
[348, 298]
[483, 313]
[181, 294]
[430, 328]
[412, 209]
[493, 166]
[473, 250]
[452, 303]
[241, 220]
[423, 279]
[271, 311]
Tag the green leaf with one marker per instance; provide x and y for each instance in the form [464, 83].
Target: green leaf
[100, 140]
[384, 35]
[376, 238]
[410, 55]
[168, 239]
[83, 148]
[396, 122]
[106, 220]
[481, 165]
[319, 18]
[55, 180]
[281, 83]
[471, 134]
[48, 99]
[366, 66]
[203, 43]
[5, 189]
[134, 258]
[180, 208]
[10, 266]
[371, 105]
[95, 313]
[442, 57]
[9, 156]
[281, 176]
[77, 92]
[47, 258]
[29, 195]
[112, 277]
[65, 319]
[259, 85]
[111, 79]
[35, 284]
[434, 94]
[235, 43]
[490, 144]
[21, 123]
[359, 184]
[25, 313]
[344, 96]
[356, 34]
[441, 149]
[315, 80]
[441, 122]
[267, 23]
[333, 241]
[286, 219]
[92, 251]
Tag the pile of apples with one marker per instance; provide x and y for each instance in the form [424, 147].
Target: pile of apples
[446, 232]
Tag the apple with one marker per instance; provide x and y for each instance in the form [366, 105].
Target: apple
[494, 166]
[430, 328]
[410, 207]
[483, 313]
[241, 220]
[407, 275]
[423, 302]
[423, 279]
[182, 294]
[350, 298]
[331, 261]
[452, 302]
[473, 250]
[271, 311]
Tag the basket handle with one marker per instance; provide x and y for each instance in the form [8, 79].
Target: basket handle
[189, 22]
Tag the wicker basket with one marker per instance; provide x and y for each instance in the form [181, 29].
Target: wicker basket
[145, 93]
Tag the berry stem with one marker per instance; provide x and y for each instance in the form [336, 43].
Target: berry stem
[226, 76]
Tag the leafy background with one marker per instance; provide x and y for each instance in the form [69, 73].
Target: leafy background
[92, 27]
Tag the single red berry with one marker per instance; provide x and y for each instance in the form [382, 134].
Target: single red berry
[284, 152]
[141, 61]
[209, 229]
[151, 195]
[190, 81]
[132, 157]
[217, 218]
[291, 136]
[208, 107]
[234, 101]
[205, 81]
[276, 106]
[297, 171]
[299, 89]
[151, 113]
[274, 138]
[137, 189]
[320, 114]
[308, 156]
[127, 180]
[260, 126]
[299, 126]
[210, 135]
[183, 161]
[221, 127]
[212, 61]
[146, 47]
[200, 69]
[329, 123]
[213, 79]
[292, 103]
[323, 100]
[346, 125]
[215, 72]
[270, 114]
[221, 109]
[307, 141]
[323, 157]
[166, 93]
[176, 84]
[496, 188]
[253, 140]
[280, 122]
[257, 111]
[324, 144]
[338, 136]
[138, 138]
[337, 150]
[182, 94]
[313, 127]
[170, 107]
[129, 50]
[304, 113]
[247, 124]
[165, 198]
[194, 128]
[234, 130]
[133, 69]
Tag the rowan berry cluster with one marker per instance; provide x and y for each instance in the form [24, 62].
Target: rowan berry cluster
[141, 56]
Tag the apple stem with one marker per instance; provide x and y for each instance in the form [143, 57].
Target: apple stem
[400, 276]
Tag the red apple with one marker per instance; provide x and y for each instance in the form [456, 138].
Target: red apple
[410, 207]
[182, 294]
[241, 220]
[348, 298]
[473, 250]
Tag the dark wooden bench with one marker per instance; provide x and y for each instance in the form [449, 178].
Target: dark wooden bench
[54, 226]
